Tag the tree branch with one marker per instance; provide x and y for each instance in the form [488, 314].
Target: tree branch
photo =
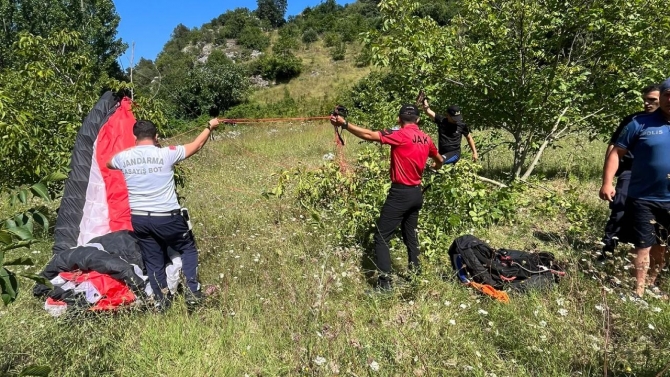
[546, 142]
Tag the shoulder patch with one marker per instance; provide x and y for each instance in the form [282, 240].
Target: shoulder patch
[172, 148]
[387, 131]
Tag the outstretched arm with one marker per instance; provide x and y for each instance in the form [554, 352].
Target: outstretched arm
[427, 110]
[199, 142]
[471, 143]
[360, 132]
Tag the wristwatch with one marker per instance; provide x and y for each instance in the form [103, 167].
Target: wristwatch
[209, 127]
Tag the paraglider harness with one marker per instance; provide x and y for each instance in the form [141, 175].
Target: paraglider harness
[474, 260]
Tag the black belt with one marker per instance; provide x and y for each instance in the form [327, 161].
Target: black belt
[174, 212]
[401, 186]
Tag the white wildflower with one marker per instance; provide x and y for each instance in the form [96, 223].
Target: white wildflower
[320, 360]
[563, 312]
[482, 312]
[374, 366]
[452, 322]
[651, 327]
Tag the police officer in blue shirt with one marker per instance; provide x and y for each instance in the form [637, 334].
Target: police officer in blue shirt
[614, 226]
[648, 203]
[156, 215]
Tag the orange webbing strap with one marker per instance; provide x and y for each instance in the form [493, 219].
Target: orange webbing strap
[490, 291]
[272, 120]
[339, 154]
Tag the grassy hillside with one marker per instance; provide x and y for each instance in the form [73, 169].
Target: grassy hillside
[321, 76]
[291, 303]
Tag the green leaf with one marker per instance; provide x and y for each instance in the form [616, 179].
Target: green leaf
[36, 370]
[8, 286]
[17, 245]
[54, 177]
[41, 190]
[39, 279]
[23, 196]
[21, 261]
[20, 232]
[5, 237]
[41, 219]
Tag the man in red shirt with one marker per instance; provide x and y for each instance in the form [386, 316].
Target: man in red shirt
[410, 148]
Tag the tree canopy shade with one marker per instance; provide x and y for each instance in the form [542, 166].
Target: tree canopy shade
[537, 70]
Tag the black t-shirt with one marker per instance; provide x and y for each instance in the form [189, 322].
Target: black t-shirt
[626, 163]
[450, 134]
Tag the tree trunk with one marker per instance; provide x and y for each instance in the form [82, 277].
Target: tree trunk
[520, 152]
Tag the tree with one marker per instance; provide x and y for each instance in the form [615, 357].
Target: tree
[42, 104]
[539, 71]
[96, 22]
[272, 11]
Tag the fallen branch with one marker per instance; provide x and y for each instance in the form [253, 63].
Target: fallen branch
[491, 181]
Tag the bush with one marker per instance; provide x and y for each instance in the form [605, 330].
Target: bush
[339, 51]
[455, 202]
[331, 39]
[253, 38]
[364, 58]
[309, 36]
[277, 67]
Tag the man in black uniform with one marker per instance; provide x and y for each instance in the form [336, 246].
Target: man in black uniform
[650, 96]
[450, 130]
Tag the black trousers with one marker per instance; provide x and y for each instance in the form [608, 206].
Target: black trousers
[155, 234]
[401, 208]
[613, 228]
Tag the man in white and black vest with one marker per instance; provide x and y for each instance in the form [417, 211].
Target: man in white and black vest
[157, 218]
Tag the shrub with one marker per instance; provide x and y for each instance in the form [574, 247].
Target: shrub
[339, 51]
[451, 206]
[331, 39]
[253, 38]
[309, 36]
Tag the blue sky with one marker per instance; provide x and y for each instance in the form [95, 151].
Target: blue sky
[149, 23]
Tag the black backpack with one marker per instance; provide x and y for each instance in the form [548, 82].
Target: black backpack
[472, 259]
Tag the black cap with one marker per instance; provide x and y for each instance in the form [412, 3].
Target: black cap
[455, 113]
[409, 110]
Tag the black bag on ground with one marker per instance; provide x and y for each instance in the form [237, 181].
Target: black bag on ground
[472, 259]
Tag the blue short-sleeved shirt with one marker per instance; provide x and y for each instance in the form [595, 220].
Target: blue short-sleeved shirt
[648, 138]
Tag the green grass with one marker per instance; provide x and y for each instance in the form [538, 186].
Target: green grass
[321, 76]
[290, 303]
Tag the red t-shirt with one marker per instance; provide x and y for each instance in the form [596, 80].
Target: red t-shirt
[410, 148]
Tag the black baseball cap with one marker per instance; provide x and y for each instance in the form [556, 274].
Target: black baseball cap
[409, 110]
[455, 113]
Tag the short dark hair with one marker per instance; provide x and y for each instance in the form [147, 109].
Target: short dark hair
[408, 119]
[144, 129]
[651, 88]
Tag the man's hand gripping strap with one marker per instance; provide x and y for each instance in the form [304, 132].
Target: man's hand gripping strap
[343, 112]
